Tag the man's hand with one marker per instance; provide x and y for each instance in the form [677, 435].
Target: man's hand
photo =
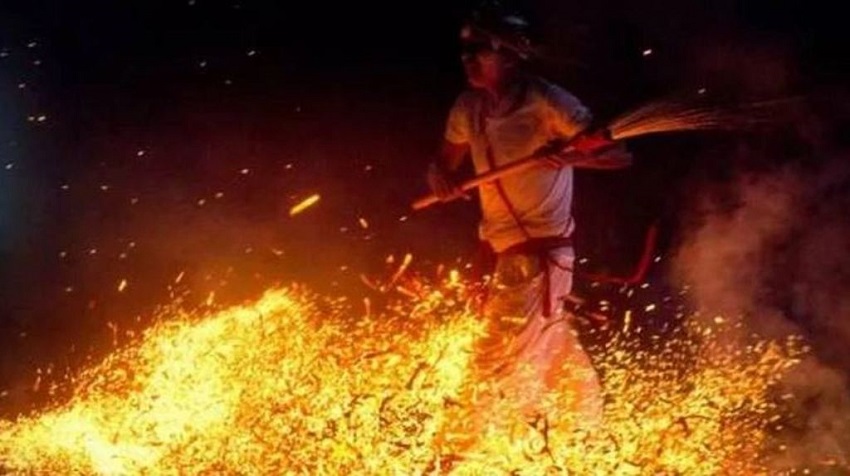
[593, 142]
[611, 158]
[442, 184]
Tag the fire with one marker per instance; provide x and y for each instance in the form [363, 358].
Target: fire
[297, 383]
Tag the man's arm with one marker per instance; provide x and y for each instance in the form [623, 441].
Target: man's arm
[571, 120]
[589, 151]
[611, 158]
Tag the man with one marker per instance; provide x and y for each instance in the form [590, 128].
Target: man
[505, 115]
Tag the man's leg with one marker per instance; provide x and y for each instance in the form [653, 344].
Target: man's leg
[564, 363]
[529, 352]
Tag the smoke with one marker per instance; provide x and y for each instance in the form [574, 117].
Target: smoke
[724, 261]
[772, 249]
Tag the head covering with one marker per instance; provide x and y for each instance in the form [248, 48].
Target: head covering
[502, 28]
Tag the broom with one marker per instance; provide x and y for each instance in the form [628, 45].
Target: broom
[652, 118]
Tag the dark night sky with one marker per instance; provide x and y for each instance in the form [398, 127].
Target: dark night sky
[138, 113]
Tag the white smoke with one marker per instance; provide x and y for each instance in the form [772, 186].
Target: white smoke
[773, 249]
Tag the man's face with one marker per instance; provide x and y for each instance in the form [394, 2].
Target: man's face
[484, 67]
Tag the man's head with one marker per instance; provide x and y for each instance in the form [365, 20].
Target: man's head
[494, 44]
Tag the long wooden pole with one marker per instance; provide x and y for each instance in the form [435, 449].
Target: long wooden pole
[533, 160]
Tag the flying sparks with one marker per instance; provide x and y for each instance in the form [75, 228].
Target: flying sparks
[304, 204]
[298, 384]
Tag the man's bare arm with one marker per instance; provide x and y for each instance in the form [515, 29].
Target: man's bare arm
[612, 158]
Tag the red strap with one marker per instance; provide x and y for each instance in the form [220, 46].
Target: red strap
[642, 267]
[544, 255]
[504, 195]
[547, 284]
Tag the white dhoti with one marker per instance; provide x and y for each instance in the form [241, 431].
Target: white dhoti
[531, 347]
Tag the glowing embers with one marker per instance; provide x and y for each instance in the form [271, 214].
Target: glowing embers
[304, 204]
[298, 383]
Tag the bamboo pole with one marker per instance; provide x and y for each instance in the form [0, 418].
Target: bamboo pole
[533, 160]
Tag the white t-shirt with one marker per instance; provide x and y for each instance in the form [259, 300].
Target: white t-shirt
[533, 113]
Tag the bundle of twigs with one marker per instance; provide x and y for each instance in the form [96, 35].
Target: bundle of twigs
[653, 118]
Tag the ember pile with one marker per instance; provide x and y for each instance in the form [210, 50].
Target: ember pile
[298, 383]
